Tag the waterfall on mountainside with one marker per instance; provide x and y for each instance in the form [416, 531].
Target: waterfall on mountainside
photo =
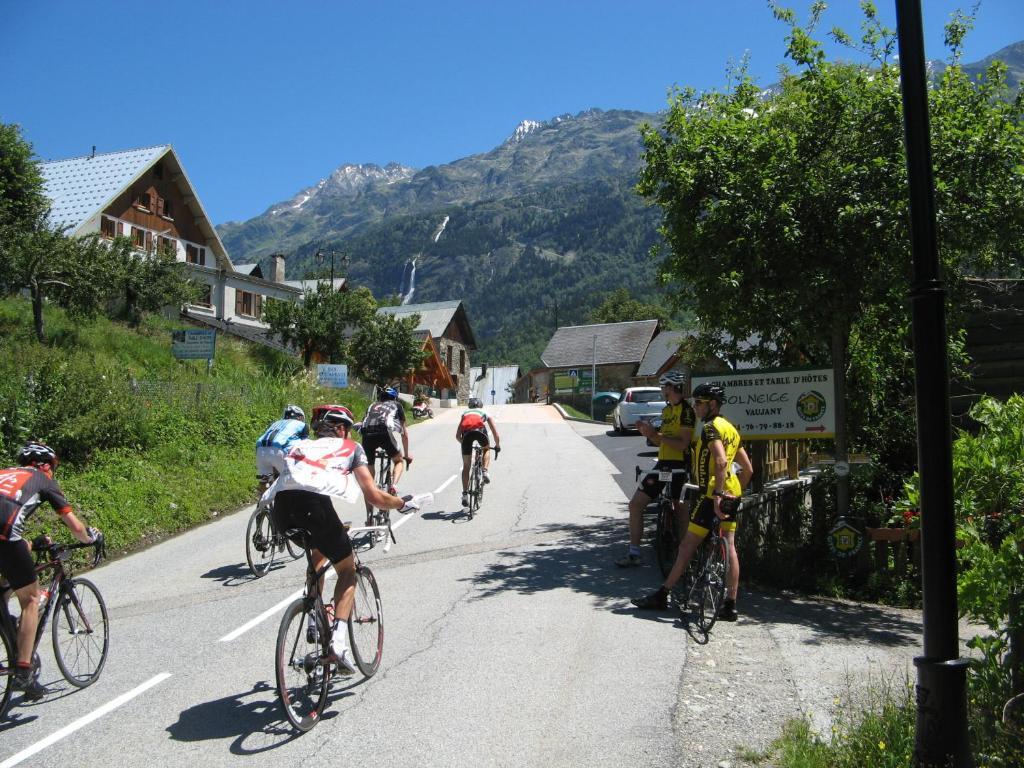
[409, 280]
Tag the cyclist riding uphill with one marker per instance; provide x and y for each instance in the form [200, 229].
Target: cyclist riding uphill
[314, 471]
[475, 426]
[673, 441]
[22, 490]
[275, 442]
[383, 427]
[713, 455]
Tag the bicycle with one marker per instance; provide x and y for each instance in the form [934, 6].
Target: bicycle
[80, 629]
[667, 533]
[301, 659]
[475, 492]
[263, 541]
[709, 569]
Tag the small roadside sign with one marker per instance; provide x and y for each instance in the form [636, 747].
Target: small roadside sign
[330, 375]
[193, 344]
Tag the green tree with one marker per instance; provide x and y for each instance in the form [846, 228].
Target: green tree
[23, 204]
[385, 348]
[619, 306]
[785, 214]
[322, 322]
[145, 282]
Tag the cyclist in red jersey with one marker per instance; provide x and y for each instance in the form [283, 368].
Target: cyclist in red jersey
[475, 426]
[22, 490]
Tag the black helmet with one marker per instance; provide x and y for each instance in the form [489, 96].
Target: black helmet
[675, 379]
[709, 391]
[33, 453]
[475, 402]
[294, 412]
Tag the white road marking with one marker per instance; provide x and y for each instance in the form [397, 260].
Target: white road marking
[262, 617]
[445, 484]
[83, 721]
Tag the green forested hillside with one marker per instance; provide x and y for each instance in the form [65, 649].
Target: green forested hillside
[149, 445]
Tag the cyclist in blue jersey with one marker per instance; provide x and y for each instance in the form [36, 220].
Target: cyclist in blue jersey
[273, 444]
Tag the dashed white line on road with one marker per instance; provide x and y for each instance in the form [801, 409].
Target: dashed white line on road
[83, 721]
[445, 484]
[262, 617]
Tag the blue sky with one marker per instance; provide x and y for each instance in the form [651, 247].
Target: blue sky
[262, 98]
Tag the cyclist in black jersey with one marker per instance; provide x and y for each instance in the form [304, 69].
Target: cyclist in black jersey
[22, 490]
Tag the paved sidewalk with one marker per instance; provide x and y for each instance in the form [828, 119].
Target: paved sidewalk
[788, 656]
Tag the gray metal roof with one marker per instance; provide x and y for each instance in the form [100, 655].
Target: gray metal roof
[661, 348]
[616, 343]
[80, 186]
[246, 269]
[435, 316]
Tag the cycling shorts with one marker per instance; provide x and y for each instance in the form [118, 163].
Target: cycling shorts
[474, 436]
[701, 522]
[386, 440]
[315, 513]
[16, 563]
[650, 486]
[269, 461]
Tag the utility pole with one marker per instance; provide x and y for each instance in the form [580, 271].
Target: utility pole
[593, 377]
[941, 736]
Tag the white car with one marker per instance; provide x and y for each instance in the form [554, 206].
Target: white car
[634, 403]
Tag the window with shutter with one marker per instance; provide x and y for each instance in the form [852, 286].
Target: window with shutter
[168, 210]
[138, 237]
[108, 227]
[258, 307]
[238, 302]
[149, 242]
[120, 227]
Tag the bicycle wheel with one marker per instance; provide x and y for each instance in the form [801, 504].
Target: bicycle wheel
[712, 584]
[478, 486]
[302, 677]
[666, 537]
[7, 660]
[366, 624]
[80, 631]
[259, 541]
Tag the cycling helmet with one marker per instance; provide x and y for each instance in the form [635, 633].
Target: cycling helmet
[475, 402]
[389, 393]
[33, 453]
[675, 379]
[709, 392]
[332, 416]
[294, 412]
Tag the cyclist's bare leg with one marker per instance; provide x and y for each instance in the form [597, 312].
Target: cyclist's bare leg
[397, 469]
[732, 584]
[687, 547]
[345, 589]
[28, 599]
[637, 505]
[465, 473]
[682, 510]
[487, 457]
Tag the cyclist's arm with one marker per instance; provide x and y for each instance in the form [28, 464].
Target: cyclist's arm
[405, 442]
[77, 527]
[374, 495]
[680, 442]
[494, 431]
[746, 472]
[720, 466]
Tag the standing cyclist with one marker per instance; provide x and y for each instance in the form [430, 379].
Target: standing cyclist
[475, 426]
[22, 490]
[315, 470]
[713, 455]
[673, 441]
[383, 427]
[275, 442]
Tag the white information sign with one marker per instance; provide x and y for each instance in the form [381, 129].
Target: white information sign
[778, 404]
[329, 375]
[189, 344]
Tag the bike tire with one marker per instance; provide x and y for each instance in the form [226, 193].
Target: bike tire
[7, 661]
[302, 676]
[712, 585]
[666, 537]
[478, 488]
[366, 623]
[259, 542]
[80, 632]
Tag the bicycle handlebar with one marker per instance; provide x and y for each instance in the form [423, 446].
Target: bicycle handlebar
[58, 550]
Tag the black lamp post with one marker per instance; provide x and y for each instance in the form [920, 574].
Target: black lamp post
[941, 736]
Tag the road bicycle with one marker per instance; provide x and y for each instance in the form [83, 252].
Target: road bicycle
[302, 657]
[380, 519]
[708, 574]
[263, 541]
[667, 531]
[80, 628]
[475, 491]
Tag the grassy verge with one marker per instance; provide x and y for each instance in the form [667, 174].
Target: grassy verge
[574, 412]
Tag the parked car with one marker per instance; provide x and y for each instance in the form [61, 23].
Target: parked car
[634, 403]
[604, 402]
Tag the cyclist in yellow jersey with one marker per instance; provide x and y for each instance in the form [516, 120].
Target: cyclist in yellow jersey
[713, 455]
[673, 441]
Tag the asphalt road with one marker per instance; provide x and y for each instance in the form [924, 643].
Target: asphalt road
[509, 638]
